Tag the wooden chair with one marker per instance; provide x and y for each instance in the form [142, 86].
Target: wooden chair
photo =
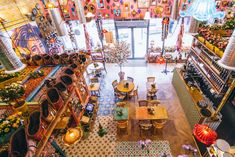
[153, 102]
[131, 79]
[94, 80]
[134, 93]
[159, 124]
[151, 79]
[114, 83]
[120, 104]
[145, 126]
[122, 125]
[143, 103]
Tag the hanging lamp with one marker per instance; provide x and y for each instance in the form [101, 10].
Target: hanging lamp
[203, 10]
[204, 134]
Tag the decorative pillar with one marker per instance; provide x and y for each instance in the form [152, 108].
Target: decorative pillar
[80, 10]
[58, 21]
[228, 59]
[8, 57]
[193, 26]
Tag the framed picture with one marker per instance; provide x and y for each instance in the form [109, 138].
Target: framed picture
[143, 3]
[153, 2]
[100, 4]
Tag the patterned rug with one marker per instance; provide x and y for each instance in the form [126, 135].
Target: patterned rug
[156, 149]
[108, 146]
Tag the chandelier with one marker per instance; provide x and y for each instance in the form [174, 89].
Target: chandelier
[202, 10]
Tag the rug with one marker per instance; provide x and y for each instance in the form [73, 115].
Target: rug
[108, 146]
[156, 149]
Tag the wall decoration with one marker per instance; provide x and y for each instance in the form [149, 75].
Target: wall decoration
[100, 4]
[26, 40]
[127, 6]
[143, 3]
[164, 1]
[117, 12]
[153, 2]
[91, 8]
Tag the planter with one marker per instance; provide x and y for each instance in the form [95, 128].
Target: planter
[64, 58]
[68, 81]
[47, 59]
[37, 59]
[21, 107]
[54, 98]
[56, 59]
[71, 73]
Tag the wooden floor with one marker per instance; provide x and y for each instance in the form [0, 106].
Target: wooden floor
[177, 131]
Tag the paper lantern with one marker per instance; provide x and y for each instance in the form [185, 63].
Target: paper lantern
[72, 136]
[204, 134]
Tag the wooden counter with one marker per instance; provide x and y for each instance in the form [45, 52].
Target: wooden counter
[188, 99]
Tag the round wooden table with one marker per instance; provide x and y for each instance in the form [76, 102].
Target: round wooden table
[92, 67]
[121, 86]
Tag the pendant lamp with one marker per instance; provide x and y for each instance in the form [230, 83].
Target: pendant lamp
[203, 10]
[204, 134]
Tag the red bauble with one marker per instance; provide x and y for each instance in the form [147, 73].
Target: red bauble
[204, 134]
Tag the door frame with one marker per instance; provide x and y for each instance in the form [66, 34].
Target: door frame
[132, 24]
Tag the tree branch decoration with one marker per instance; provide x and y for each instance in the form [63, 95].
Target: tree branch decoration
[118, 53]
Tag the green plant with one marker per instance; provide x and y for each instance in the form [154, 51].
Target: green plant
[12, 92]
[102, 131]
[36, 74]
[4, 76]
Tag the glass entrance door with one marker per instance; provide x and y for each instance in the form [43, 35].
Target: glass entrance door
[134, 33]
[140, 42]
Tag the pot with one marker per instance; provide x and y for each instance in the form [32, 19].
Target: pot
[68, 81]
[35, 127]
[56, 59]
[64, 58]
[45, 110]
[37, 59]
[62, 90]
[47, 59]
[54, 98]
[70, 72]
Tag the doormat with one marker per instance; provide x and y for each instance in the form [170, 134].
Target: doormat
[135, 63]
[156, 149]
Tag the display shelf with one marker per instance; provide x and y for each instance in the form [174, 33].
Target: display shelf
[211, 51]
[52, 126]
[205, 76]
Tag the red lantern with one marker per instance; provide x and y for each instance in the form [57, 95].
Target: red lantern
[160, 60]
[204, 134]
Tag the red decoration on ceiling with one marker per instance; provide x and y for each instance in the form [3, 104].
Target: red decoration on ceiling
[160, 60]
[204, 134]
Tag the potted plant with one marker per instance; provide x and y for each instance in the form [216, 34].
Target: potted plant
[118, 53]
[11, 94]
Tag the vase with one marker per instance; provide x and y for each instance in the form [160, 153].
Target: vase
[121, 75]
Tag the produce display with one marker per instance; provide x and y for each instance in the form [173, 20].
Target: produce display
[33, 82]
[4, 76]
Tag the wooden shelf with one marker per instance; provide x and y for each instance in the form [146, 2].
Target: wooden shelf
[207, 48]
[203, 73]
[52, 126]
[207, 65]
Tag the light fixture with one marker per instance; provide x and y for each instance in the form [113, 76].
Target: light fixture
[147, 15]
[202, 10]
[50, 5]
[72, 136]
[204, 134]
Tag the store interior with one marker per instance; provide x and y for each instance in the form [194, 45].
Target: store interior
[117, 78]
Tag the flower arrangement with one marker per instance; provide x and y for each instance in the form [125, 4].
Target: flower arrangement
[144, 144]
[12, 92]
[9, 124]
[118, 53]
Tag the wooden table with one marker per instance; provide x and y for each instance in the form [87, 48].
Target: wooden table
[141, 113]
[92, 67]
[94, 88]
[121, 86]
[124, 116]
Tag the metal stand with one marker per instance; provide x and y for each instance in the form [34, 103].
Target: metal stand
[165, 70]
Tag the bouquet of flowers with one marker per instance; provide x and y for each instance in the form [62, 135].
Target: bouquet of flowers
[144, 144]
